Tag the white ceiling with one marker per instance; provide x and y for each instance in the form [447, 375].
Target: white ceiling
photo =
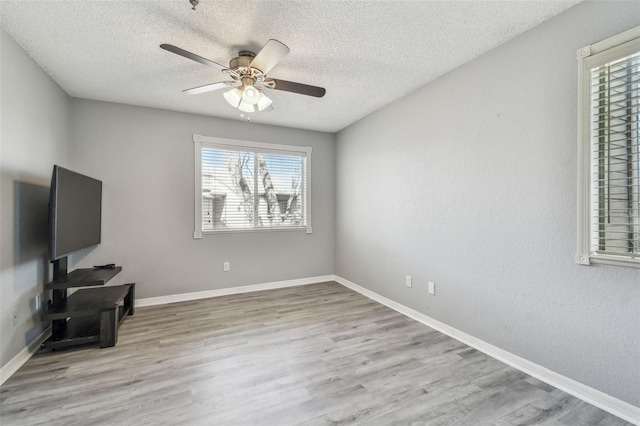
[365, 53]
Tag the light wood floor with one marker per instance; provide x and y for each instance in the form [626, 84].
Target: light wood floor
[318, 354]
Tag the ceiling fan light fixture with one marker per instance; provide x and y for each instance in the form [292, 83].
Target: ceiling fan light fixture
[247, 99]
[246, 107]
[250, 95]
[263, 102]
[233, 96]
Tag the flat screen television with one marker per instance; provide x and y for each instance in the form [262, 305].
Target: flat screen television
[75, 212]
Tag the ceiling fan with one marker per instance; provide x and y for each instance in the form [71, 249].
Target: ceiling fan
[249, 76]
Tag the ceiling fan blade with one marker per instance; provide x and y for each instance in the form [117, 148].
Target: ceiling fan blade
[272, 52]
[290, 86]
[209, 87]
[193, 57]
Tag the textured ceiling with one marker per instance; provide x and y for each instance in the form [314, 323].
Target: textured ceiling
[365, 53]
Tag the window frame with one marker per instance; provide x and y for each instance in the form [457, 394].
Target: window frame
[200, 141]
[590, 57]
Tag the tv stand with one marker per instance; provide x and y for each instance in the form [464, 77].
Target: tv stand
[91, 314]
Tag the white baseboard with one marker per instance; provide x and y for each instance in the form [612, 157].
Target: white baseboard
[606, 402]
[23, 356]
[183, 297]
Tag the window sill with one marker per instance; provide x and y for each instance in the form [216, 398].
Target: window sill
[604, 259]
[199, 234]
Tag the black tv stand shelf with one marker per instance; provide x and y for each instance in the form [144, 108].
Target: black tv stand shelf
[88, 315]
[84, 278]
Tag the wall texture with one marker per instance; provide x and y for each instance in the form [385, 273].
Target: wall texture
[34, 122]
[145, 158]
[471, 183]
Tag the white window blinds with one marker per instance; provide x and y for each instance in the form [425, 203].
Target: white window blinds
[242, 185]
[612, 78]
[616, 161]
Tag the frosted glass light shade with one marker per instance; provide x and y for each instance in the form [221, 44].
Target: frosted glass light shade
[250, 95]
[263, 102]
[246, 107]
[247, 99]
[233, 96]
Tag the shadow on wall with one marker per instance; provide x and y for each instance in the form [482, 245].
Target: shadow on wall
[30, 222]
[30, 246]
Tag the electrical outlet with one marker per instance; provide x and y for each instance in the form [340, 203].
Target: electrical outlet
[226, 266]
[14, 321]
[407, 281]
[432, 287]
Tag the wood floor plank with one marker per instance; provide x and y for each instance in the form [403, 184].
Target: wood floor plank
[315, 355]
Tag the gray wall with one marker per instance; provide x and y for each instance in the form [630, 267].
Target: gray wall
[34, 118]
[471, 183]
[145, 158]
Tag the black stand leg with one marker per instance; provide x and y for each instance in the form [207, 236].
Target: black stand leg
[60, 267]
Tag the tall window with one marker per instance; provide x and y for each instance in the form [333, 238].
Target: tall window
[245, 186]
[610, 150]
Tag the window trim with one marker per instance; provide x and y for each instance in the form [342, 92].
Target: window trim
[588, 57]
[234, 144]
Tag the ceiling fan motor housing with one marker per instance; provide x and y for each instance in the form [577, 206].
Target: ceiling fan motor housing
[242, 61]
[248, 81]
[244, 72]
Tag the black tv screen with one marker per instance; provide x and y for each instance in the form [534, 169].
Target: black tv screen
[75, 212]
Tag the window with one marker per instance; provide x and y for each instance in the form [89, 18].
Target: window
[609, 116]
[242, 186]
